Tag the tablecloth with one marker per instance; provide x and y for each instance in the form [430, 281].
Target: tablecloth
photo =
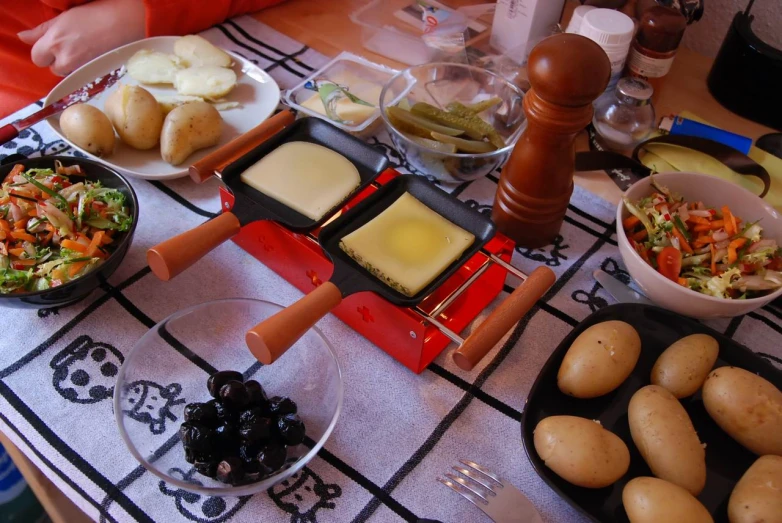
[398, 431]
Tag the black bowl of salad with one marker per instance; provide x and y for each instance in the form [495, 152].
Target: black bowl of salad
[65, 225]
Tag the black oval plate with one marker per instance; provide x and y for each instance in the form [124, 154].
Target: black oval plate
[726, 460]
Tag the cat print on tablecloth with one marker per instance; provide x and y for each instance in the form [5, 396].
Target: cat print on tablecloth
[31, 143]
[195, 507]
[590, 298]
[303, 494]
[85, 372]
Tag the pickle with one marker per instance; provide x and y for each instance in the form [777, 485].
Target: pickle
[477, 122]
[434, 145]
[465, 146]
[407, 122]
[472, 126]
[479, 107]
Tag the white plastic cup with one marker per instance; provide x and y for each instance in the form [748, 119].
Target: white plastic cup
[613, 31]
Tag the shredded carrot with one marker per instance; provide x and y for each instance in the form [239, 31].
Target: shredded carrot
[733, 255]
[74, 269]
[701, 228]
[5, 226]
[93, 249]
[21, 235]
[713, 260]
[25, 262]
[718, 224]
[32, 212]
[698, 219]
[49, 235]
[3, 235]
[702, 240]
[683, 282]
[16, 251]
[21, 224]
[640, 235]
[630, 222]
[685, 246]
[74, 246]
[730, 221]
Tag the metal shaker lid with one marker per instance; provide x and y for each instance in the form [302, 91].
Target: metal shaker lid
[639, 90]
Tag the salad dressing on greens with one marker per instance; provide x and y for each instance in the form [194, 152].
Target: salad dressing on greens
[707, 250]
[55, 226]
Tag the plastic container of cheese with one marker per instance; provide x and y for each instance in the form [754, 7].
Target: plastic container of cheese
[359, 77]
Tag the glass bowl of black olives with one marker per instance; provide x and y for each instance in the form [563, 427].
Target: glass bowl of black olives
[199, 411]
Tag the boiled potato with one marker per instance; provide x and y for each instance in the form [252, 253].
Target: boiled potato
[152, 67]
[757, 497]
[682, 368]
[87, 127]
[666, 438]
[170, 102]
[747, 407]
[207, 81]
[136, 116]
[652, 500]
[581, 451]
[196, 51]
[188, 128]
[600, 359]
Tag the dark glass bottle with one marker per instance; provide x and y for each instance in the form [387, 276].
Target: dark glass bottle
[660, 31]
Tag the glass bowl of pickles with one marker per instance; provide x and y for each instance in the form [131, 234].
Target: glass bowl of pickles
[456, 122]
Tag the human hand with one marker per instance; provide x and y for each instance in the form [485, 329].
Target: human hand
[78, 35]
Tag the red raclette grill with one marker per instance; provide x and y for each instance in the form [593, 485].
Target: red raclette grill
[414, 336]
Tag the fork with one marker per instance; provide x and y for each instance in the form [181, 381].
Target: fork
[497, 498]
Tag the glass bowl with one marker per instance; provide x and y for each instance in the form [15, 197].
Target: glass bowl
[440, 84]
[181, 352]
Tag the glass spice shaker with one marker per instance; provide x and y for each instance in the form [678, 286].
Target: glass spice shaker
[624, 118]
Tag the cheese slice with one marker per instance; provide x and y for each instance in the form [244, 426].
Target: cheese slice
[407, 245]
[307, 177]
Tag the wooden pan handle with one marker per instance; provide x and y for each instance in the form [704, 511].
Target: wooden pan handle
[204, 168]
[176, 254]
[273, 336]
[503, 318]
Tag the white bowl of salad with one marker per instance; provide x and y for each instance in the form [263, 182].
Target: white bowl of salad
[699, 245]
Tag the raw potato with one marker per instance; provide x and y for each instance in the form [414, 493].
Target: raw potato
[188, 128]
[152, 67]
[747, 407]
[206, 81]
[90, 129]
[682, 368]
[666, 438]
[196, 51]
[136, 116]
[757, 497]
[581, 451]
[652, 500]
[600, 359]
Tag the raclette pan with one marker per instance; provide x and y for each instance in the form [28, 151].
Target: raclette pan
[178, 253]
[272, 337]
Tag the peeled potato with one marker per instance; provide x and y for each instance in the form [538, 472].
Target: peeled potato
[87, 127]
[188, 128]
[197, 51]
[208, 81]
[169, 103]
[136, 116]
[152, 67]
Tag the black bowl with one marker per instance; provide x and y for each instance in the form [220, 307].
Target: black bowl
[77, 289]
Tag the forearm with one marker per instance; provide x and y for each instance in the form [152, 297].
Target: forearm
[166, 17]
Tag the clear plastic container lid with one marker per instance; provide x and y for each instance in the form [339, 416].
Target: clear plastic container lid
[351, 86]
[397, 28]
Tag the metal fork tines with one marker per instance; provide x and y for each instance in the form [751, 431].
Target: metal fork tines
[497, 498]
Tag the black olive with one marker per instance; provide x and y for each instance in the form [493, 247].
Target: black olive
[203, 413]
[234, 395]
[218, 379]
[230, 470]
[258, 396]
[207, 468]
[224, 415]
[281, 406]
[257, 431]
[248, 452]
[271, 458]
[249, 416]
[196, 437]
[190, 455]
[226, 436]
[291, 429]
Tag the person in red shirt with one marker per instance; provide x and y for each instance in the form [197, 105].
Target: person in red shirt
[43, 40]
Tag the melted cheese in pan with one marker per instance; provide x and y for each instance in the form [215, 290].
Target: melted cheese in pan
[307, 177]
[407, 245]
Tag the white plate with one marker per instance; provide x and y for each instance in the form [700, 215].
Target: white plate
[256, 91]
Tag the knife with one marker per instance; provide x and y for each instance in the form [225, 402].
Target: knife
[10, 131]
[621, 292]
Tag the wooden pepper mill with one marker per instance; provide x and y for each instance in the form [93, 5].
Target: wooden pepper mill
[567, 72]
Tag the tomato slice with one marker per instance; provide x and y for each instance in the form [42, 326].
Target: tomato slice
[669, 263]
